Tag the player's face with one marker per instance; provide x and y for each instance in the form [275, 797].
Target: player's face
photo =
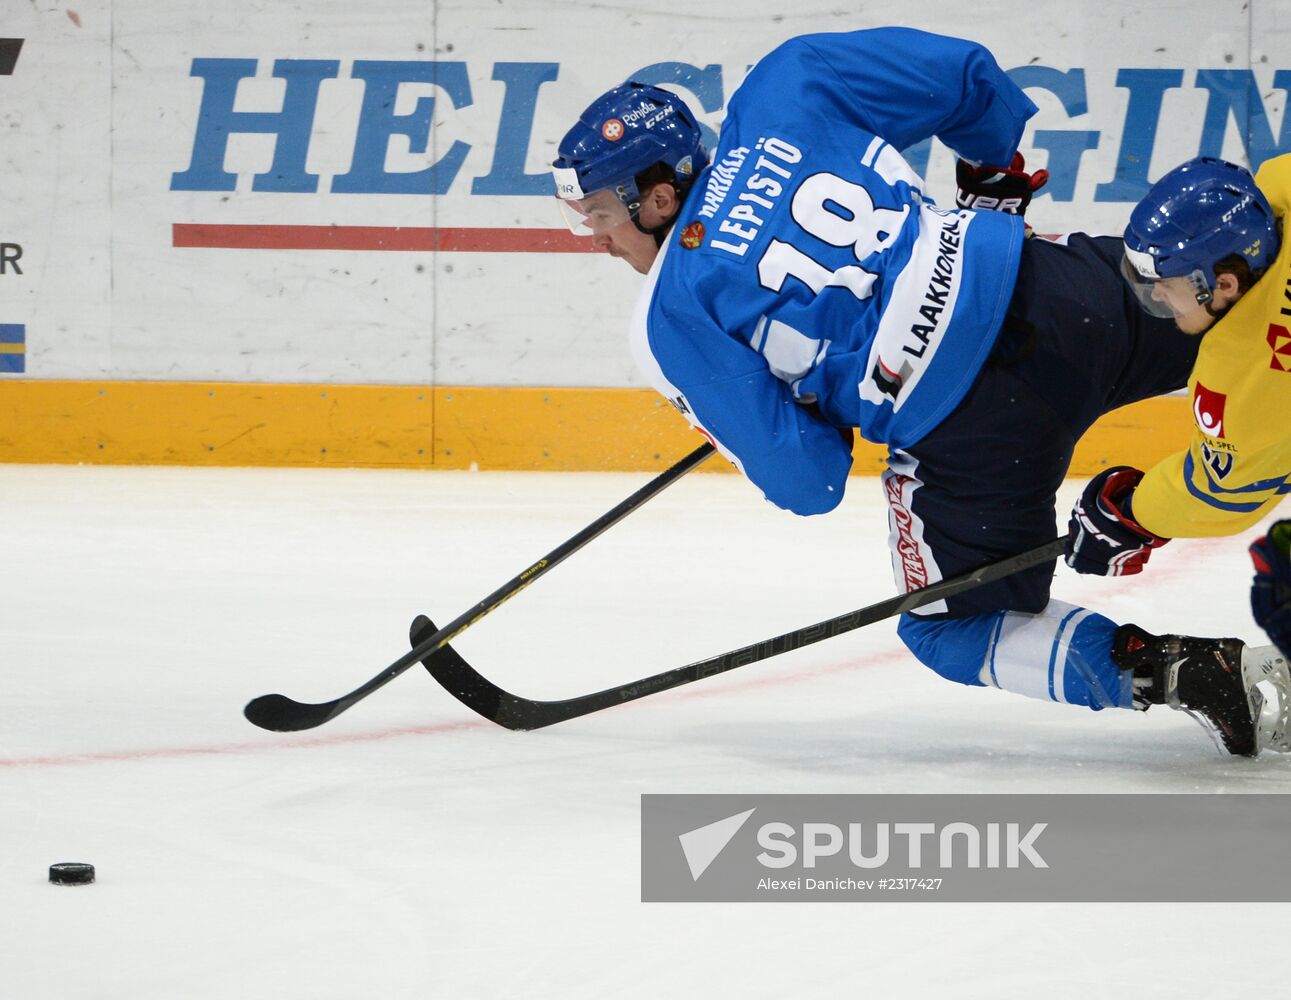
[1177, 297]
[602, 216]
[594, 215]
[626, 242]
[1180, 296]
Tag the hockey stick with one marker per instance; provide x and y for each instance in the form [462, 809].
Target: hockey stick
[281, 714]
[481, 695]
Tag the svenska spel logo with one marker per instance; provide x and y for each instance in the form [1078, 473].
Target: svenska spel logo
[1208, 409]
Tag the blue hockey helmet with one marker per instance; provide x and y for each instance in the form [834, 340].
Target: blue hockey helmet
[621, 134]
[1198, 214]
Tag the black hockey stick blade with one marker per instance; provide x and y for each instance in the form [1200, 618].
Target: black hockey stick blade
[281, 714]
[456, 675]
[510, 711]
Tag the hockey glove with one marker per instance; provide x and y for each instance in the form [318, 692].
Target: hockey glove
[1271, 588]
[1102, 536]
[998, 189]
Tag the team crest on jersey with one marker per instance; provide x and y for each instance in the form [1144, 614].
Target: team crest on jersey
[612, 130]
[692, 237]
[1280, 342]
[1208, 410]
[1220, 463]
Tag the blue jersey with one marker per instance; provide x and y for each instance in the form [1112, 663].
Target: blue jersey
[809, 283]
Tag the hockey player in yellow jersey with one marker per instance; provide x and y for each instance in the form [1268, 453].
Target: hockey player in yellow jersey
[1205, 247]
[1238, 466]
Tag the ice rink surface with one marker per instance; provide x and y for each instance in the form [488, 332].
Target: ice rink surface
[409, 849]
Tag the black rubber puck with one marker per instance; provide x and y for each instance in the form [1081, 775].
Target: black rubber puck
[71, 873]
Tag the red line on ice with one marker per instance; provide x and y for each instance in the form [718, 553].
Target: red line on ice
[289, 742]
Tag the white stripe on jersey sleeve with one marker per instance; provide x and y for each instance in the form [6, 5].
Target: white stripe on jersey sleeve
[892, 167]
[872, 151]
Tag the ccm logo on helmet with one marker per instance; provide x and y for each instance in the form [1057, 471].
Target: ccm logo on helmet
[648, 114]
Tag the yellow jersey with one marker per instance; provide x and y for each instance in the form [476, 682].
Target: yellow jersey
[1239, 462]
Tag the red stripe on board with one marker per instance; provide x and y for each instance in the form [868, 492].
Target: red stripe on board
[421, 238]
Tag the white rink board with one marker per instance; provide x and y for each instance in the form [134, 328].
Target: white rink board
[102, 113]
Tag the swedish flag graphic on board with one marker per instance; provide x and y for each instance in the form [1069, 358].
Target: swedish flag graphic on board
[13, 347]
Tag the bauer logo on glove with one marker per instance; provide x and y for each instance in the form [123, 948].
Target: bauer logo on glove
[998, 189]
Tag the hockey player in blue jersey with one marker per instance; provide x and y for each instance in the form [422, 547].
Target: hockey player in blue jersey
[803, 284]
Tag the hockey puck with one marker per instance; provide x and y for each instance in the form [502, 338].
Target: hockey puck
[71, 873]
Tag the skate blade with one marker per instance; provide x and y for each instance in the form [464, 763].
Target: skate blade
[1268, 692]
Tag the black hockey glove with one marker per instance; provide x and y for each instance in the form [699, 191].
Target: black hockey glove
[1102, 537]
[1271, 588]
[998, 189]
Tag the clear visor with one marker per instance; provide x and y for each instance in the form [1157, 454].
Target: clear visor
[598, 213]
[1166, 297]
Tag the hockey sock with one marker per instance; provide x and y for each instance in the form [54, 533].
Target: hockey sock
[1061, 654]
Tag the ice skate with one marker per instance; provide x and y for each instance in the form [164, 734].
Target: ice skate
[1219, 682]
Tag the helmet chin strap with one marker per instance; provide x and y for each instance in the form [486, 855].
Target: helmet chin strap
[1206, 300]
[1211, 311]
[660, 232]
